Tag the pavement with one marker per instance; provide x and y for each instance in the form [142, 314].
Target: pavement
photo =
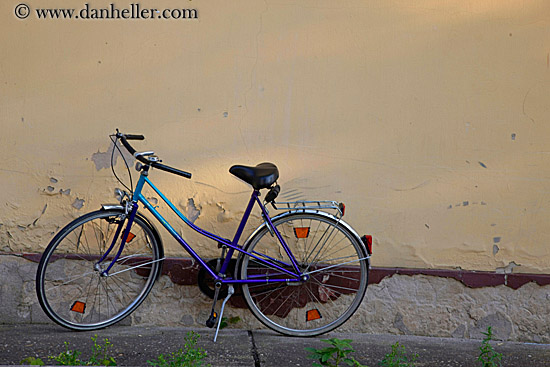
[135, 345]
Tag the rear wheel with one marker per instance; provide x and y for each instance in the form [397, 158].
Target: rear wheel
[70, 283]
[336, 265]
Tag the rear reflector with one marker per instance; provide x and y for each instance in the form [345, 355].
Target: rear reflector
[342, 207]
[367, 241]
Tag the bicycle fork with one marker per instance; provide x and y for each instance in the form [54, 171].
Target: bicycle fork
[123, 240]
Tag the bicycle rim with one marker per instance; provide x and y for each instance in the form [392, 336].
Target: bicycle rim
[70, 286]
[332, 257]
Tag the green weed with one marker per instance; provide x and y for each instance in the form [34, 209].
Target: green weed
[99, 357]
[68, 357]
[398, 357]
[189, 356]
[32, 361]
[488, 356]
[335, 354]
[229, 321]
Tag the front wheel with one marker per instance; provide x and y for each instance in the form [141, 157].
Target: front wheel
[333, 260]
[70, 282]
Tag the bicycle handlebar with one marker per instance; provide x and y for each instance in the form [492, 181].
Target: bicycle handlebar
[124, 139]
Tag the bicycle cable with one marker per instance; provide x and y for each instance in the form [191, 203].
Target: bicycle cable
[131, 188]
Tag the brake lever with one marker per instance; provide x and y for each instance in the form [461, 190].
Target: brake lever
[143, 154]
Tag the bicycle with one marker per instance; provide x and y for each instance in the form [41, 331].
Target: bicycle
[302, 272]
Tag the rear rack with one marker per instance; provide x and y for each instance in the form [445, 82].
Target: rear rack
[340, 208]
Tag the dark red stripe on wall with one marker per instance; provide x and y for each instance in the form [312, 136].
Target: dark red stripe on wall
[472, 279]
[184, 271]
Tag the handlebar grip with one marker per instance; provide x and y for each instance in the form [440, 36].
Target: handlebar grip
[134, 137]
[171, 170]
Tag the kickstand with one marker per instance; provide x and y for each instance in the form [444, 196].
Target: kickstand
[230, 292]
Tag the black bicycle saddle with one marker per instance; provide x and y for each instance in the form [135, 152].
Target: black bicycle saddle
[260, 177]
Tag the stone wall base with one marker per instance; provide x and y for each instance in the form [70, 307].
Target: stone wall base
[418, 304]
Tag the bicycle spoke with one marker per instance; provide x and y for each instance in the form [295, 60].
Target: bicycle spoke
[70, 281]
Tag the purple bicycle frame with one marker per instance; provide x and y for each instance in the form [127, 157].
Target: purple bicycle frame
[233, 245]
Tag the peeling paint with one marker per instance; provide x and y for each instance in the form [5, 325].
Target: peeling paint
[65, 192]
[50, 188]
[508, 269]
[482, 164]
[495, 249]
[41, 214]
[192, 211]
[496, 239]
[223, 216]
[78, 203]
[103, 159]
[53, 180]
[466, 203]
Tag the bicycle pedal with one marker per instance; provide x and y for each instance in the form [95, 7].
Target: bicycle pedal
[212, 320]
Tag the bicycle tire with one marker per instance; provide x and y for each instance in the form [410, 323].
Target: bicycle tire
[338, 266]
[69, 283]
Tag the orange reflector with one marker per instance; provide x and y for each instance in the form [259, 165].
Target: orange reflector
[78, 307]
[301, 232]
[313, 315]
[130, 237]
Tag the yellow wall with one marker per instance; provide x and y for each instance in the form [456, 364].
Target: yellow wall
[429, 119]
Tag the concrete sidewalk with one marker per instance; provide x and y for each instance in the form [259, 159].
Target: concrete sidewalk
[134, 346]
